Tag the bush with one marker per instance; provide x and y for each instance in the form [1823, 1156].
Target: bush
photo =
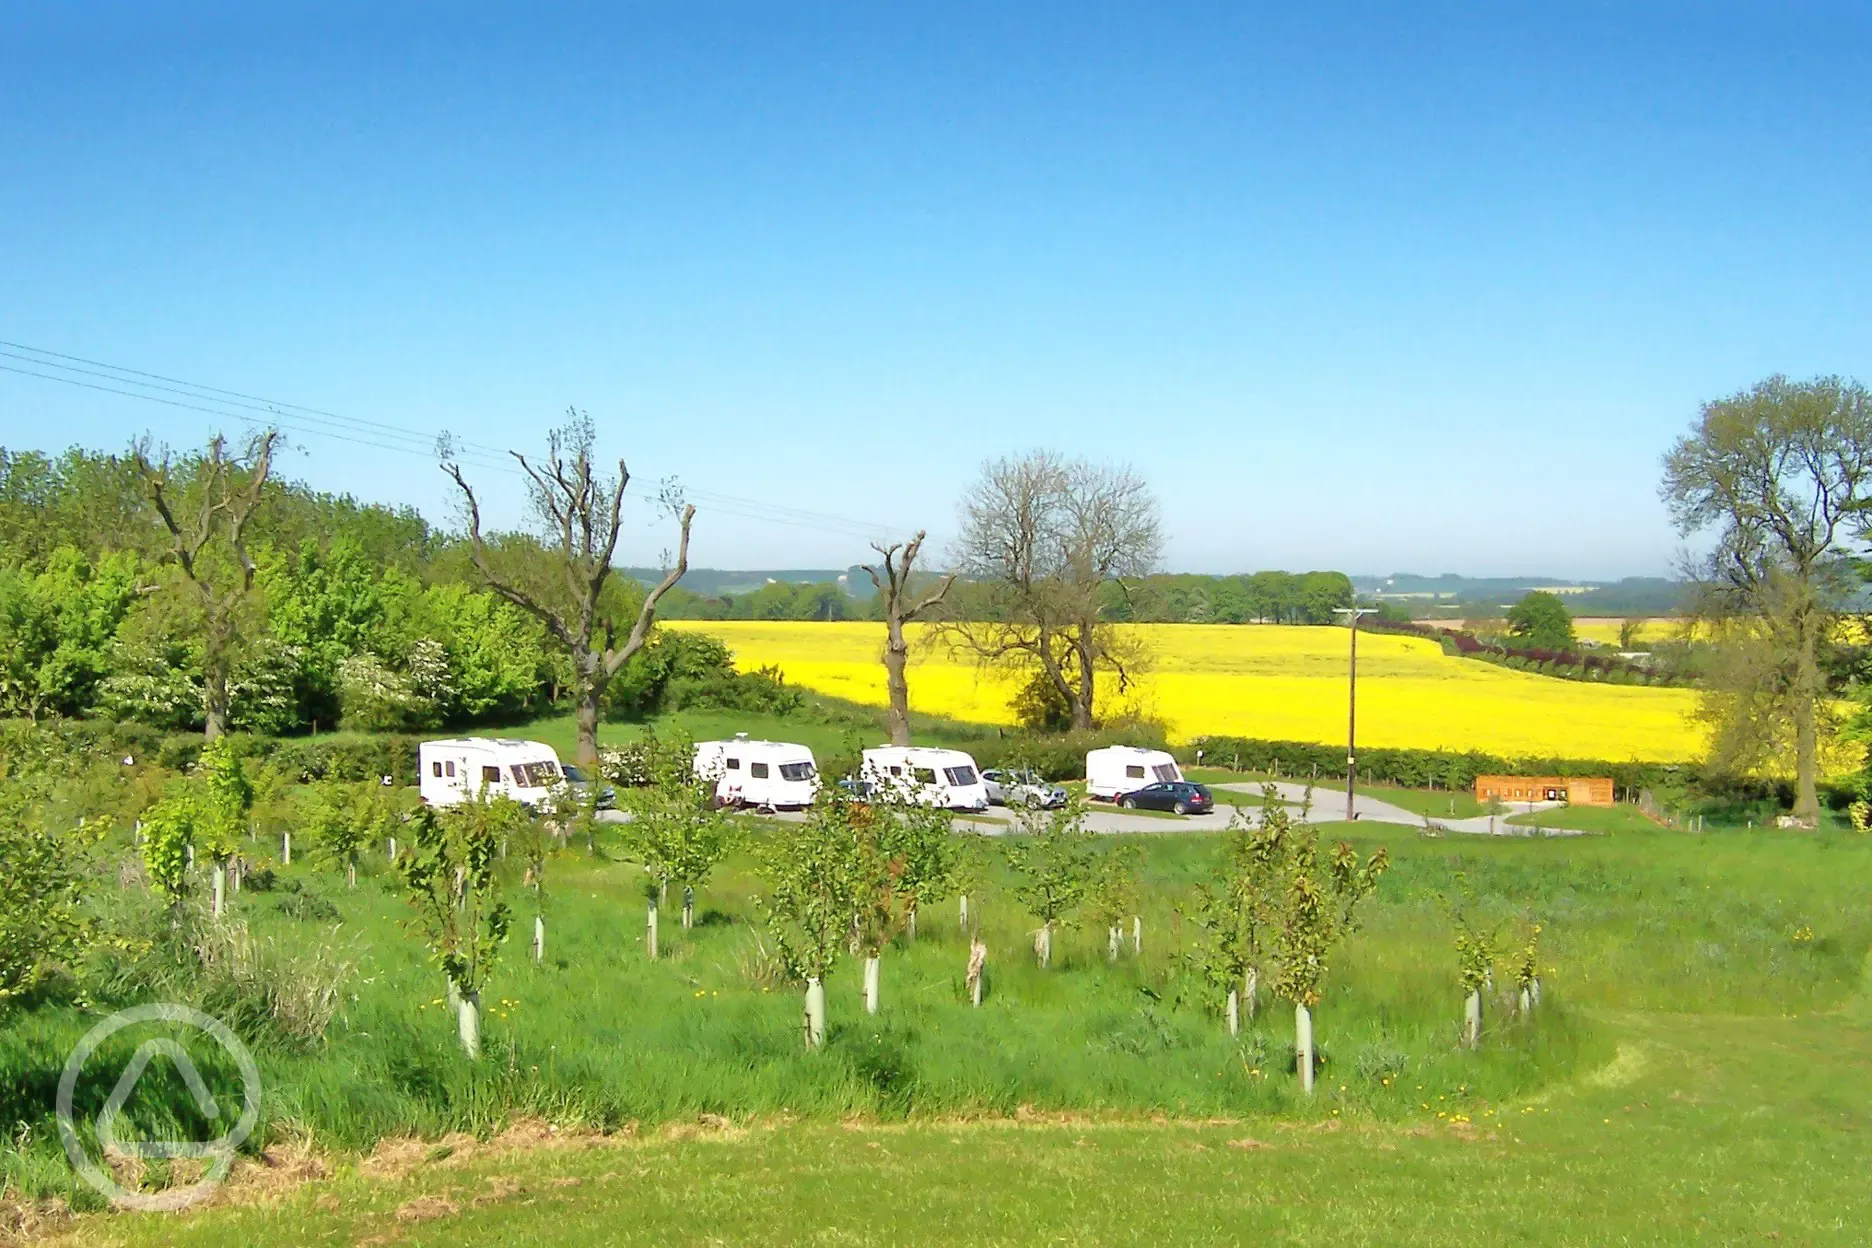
[1420, 768]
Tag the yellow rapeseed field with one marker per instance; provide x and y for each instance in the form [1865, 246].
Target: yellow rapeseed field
[1268, 681]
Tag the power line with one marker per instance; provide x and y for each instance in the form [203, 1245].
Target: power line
[312, 422]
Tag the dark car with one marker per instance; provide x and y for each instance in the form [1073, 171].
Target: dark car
[1178, 795]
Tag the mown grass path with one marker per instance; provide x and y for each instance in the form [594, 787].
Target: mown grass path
[1703, 1129]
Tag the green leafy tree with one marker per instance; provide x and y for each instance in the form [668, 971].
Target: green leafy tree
[880, 909]
[169, 831]
[1053, 857]
[340, 819]
[1112, 895]
[675, 831]
[817, 879]
[1317, 910]
[45, 921]
[1237, 912]
[1540, 620]
[1526, 968]
[1476, 950]
[226, 798]
[1777, 475]
[928, 860]
[448, 879]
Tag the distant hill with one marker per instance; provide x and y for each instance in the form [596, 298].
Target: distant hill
[714, 582]
[1450, 594]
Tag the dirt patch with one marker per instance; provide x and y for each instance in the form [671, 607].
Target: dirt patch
[426, 1209]
[22, 1221]
[1249, 1144]
[279, 1169]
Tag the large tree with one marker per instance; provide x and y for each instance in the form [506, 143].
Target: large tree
[1042, 536]
[579, 510]
[1541, 620]
[206, 504]
[891, 575]
[1777, 475]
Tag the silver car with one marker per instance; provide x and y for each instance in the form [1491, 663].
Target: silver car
[1008, 787]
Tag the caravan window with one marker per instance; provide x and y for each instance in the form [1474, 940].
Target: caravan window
[435, 769]
[1165, 772]
[923, 775]
[490, 775]
[734, 764]
[796, 771]
[1134, 771]
[451, 768]
[896, 771]
[757, 770]
[541, 775]
[960, 777]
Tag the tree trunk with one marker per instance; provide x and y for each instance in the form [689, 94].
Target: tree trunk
[977, 967]
[1137, 934]
[1526, 1002]
[1234, 1012]
[1251, 987]
[539, 938]
[393, 849]
[216, 702]
[813, 1023]
[1043, 944]
[871, 983]
[468, 1023]
[220, 888]
[650, 932]
[1534, 993]
[688, 907]
[1472, 1020]
[962, 914]
[1806, 738]
[589, 697]
[286, 848]
[351, 873]
[910, 923]
[1114, 937]
[1082, 696]
[896, 658]
[1303, 1047]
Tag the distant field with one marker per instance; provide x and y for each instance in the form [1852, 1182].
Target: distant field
[1268, 681]
[1605, 629]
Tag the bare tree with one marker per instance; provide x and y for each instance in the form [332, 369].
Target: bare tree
[1042, 538]
[893, 586]
[1779, 473]
[580, 511]
[205, 505]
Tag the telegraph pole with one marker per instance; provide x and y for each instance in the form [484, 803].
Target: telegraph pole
[1351, 750]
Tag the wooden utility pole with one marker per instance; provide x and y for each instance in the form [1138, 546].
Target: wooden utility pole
[1351, 750]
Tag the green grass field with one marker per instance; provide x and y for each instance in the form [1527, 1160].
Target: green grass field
[1700, 1051]
[1701, 1129]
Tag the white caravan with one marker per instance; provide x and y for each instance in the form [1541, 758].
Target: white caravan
[1120, 769]
[463, 768]
[767, 775]
[929, 777]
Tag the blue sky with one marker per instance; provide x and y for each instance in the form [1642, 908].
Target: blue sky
[1414, 287]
